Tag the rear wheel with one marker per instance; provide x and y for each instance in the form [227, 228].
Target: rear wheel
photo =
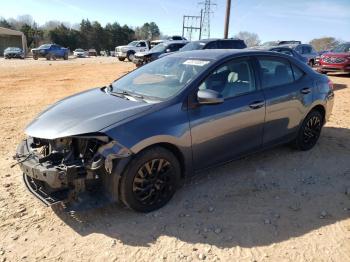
[150, 180]
[309, 131]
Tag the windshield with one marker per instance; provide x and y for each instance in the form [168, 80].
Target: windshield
[133, 43]
[45, 46]
[158, 48]
[344, 48]
[79, 50]
[270, 43]
[162, 78]
[193, 46]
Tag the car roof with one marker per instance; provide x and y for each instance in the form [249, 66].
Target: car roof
[168, 42]
[216, 39]
[218, 54]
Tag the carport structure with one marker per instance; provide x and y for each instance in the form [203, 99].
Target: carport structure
[11, 38]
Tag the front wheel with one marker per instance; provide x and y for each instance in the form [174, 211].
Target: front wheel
[309, 131]
[130, 56]
[65, 57]
[121, 59]
[150, 180]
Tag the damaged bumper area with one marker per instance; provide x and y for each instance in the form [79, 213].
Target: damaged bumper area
[72, 169]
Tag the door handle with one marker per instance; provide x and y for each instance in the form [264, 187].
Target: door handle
[257, 104]
[305, 90]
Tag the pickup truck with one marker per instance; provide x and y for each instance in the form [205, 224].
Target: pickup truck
[50, 51]
[128, 51]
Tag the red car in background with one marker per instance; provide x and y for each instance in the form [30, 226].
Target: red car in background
[338, 60]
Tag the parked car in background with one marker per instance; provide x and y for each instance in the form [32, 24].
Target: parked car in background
[142, 58]
[135, 140]
[270, 44]
[176, 37]
[79, 52]
[92, 52]
[318, 57]
[337, 60]
[156, 42]
[306, 51]
[212, 44]
[291, 52]
[13, 52]
[50, 51]
[128, 51]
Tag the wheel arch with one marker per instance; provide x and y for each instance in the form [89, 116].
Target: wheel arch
[173, 149]
[321, 109]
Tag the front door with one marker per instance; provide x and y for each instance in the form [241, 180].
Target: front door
[223, 131]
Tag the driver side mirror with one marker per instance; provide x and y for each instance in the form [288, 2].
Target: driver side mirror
[209, 97]
[167, 50]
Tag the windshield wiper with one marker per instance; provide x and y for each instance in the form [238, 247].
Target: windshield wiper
[127, 93]
[123, 93]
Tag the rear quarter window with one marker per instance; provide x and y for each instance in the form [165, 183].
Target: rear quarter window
[297, 72]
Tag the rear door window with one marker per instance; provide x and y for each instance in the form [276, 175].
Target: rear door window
[306, 49]
[275, 72]
[230, 44]
[211, 45]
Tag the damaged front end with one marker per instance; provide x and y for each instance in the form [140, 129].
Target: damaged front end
[68, 170]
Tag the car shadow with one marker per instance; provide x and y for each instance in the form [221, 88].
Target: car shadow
[339, 86]
[262, 199]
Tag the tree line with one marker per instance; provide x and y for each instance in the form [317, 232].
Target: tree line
[84, 35]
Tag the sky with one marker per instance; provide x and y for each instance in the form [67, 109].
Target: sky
[270, 19]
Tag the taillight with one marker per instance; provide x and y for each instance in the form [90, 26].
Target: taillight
[330, 84]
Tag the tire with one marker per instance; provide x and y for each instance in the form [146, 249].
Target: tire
[310, 131]
[35, 57]
[48, 56]
[130, 56]
[143, 191]
[65, 57]
[121, 59]
[311, 63]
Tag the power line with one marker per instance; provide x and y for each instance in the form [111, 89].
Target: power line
[207, 11]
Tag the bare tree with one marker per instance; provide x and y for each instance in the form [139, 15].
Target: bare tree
[251, 39]
[324, 43]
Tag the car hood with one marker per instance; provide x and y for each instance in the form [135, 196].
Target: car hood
[337, 54]
[86, 112]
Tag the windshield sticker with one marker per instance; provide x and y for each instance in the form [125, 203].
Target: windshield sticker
[196, 62]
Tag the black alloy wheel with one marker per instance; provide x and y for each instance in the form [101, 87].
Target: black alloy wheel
[150, 180]
[310, 131]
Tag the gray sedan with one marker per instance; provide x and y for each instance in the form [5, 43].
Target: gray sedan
[138, 138]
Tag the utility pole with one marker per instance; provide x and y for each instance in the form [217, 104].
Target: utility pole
[227, 18]
[206, 17]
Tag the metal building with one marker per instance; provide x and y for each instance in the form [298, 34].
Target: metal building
[12, 38]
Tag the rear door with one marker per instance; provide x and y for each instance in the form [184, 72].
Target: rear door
[223, 131]
[287, 92]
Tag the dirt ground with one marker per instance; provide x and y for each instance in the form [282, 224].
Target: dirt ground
[279, 205]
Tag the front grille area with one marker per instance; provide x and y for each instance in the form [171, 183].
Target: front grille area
[333, 60]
